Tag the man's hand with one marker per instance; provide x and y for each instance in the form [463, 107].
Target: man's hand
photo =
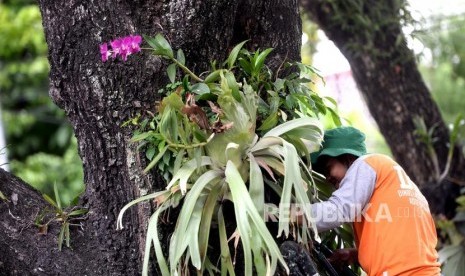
[343, 257]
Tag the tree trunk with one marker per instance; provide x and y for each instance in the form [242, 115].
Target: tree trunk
[370, 37]
[99, 97]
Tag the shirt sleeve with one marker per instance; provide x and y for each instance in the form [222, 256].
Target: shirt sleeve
[347, 202]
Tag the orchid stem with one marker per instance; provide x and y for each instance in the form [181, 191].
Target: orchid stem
[185, 69]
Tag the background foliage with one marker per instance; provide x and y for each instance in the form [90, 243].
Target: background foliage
[442, 64]
[41, 147]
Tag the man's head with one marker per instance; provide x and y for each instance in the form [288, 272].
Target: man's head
[341, 146]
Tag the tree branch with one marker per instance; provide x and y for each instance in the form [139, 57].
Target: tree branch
[23, 251]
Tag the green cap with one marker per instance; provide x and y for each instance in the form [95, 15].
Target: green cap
[340, 141]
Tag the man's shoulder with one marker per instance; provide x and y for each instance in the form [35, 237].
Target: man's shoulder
[377, 159]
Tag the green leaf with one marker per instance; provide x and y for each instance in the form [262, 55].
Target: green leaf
[331, 100]
[312, 134]
[174, 101]
[67, 235]
[192, 232]
[461, 200]
[181, 58]
[241, 198]
[200, 88]
[207, 97]
[169, 124]
[178, 160]
[246, 66]
[291, 177]
[296, 123]
[161, 145]
[186, 83]
[250, 101]
[303, 149]
[448, 251]
[152, 236]
[141, 136]
[57, 196]
[205, 224]
[273, 163]
[232, 84]
[151, 41]
[308, 103]
[226, 262]
[186, 171]
[164, 46]
[171, 70]
[188, 221]
[166, 158]
[152, 125]
[270, 121]
[335, 117]
[155, 160]
[213, 76]
[50, 200]
[2, 196]
[455, 265]
[319, 104]
[160, 45]
[150, 153]
[200, 135]
[279, 84]
[78, 212]
[256, 243]
[256, 185]
[210, 267]
[292, 181]
[261, 59]
[160, 194]
[233, 55]
[61, 237]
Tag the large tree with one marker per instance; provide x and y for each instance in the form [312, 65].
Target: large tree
[369, 34]
[99, 97]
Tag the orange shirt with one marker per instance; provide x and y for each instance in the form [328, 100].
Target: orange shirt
[395, 234]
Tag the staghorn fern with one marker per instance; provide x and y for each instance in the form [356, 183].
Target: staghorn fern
[205, 140]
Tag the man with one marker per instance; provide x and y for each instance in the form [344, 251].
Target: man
[394, 231]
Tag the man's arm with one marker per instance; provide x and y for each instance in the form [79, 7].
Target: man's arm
[347, 202]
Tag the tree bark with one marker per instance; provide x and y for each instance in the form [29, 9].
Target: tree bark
[23, 251]
[99, 97]
[384, 68]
